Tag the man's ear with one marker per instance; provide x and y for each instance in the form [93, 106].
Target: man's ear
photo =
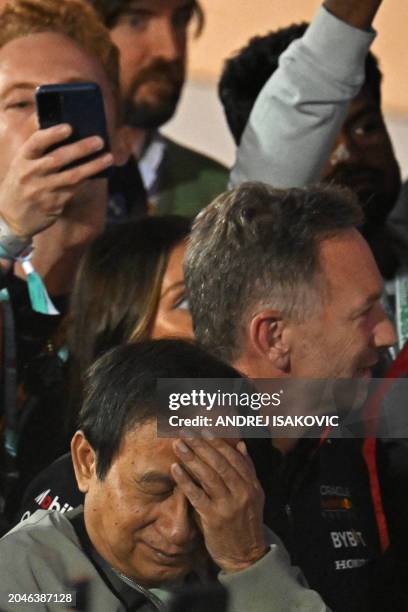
[121, 146]
[84, 461]
[270, 338]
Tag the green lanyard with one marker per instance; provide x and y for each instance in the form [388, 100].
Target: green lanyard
[39, 298]
[10, 376]
[401, 308]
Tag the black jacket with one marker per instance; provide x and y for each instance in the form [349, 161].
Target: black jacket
[326, 502]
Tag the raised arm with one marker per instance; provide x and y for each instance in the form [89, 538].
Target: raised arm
[301, 108]
[356, 14]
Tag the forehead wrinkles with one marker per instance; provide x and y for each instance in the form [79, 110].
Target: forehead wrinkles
[37, 52]
[141, 442]
[32, 58]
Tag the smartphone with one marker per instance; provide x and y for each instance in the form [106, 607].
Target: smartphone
[80, 105]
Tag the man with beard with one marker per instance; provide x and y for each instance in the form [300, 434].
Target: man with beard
[312, 130]
[152, 39]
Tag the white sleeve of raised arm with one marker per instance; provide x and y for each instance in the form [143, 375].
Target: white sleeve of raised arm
[301, 108]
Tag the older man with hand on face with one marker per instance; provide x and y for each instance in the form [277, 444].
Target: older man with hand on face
[158, 513]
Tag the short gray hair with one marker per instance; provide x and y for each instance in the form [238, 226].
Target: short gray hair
[256, 246]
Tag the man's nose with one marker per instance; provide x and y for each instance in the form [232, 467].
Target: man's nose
[384, 331]
[164, 43]
[176, 522]
[340, 153]
[347, 150]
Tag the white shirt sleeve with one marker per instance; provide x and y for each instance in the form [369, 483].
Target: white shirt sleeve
[297, 115]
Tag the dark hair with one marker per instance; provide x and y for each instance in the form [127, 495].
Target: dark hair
[118, 284]
[121, 389]
[256, 246]
[110, 10]
[246, 73]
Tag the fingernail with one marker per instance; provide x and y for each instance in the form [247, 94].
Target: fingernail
[108, 159]
[182, 447]
[65, 129]
[241, 446]
[207, 435]
[97, 142]
[188, 435]
[176, 469]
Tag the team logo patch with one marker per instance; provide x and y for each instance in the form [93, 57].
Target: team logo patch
[336, 502]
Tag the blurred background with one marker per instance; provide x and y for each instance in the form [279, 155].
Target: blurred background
[230, 23]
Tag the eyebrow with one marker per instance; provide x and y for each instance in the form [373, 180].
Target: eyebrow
[172, 287]
[30, 85]
[143, 6]
[136, 4]
[189, 4]
[25, 85]
[369, 301]
[153, 477]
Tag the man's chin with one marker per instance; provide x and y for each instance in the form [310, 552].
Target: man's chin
[351, 393]
[364, 373]
[151, 112]
[155, 574]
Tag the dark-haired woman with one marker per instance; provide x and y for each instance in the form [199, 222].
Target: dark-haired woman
[129, 287]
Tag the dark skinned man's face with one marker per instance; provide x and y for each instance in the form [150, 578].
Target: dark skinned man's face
[363, 159]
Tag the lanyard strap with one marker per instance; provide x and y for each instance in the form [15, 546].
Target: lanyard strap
[39, 298]
[10, 376]
[371, 414]
[401, 308]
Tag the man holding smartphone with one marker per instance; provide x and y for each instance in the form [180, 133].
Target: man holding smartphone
[34, 195]
[57, 211]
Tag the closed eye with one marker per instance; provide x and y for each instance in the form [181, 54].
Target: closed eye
[20, 104]
[364, 312]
